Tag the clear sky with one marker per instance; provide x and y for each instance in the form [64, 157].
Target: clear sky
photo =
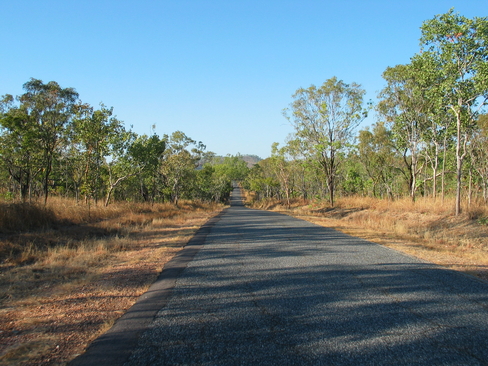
[221, 71]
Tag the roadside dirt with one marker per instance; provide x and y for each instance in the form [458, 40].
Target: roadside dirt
[60, 318]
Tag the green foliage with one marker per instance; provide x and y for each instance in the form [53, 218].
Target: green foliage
[212, 185]
[214, 180]
[324, 119]
[52, 142]
[92, 134]
[233, 168]
[180, 159]
[483, 220]
[50, 108]
[353, 176]
[458, 47]
[19, 148]
[262, 181]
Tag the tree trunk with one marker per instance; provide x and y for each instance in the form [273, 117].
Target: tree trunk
[459, 165]
[435, 166]
[109, 194]
[461, 151]
[330, 184]
[485, 191]
[46, 186]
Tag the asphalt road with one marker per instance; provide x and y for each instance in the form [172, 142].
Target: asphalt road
[268, 289]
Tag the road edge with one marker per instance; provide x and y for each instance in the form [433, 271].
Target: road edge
[115, 346]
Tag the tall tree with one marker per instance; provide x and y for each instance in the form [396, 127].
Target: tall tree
[91, 132]
[478, 151]
[437, 124]
[378, 156]
[147, 153]
[122, 164]
[406, 108]
[459, 47]
[19, 145]
[282, 169]
[180, 160]
[233, 167]
[325, 119]
[51, 108]
[262, 181]
[298, 167]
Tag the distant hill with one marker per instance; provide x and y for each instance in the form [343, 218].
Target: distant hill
[251, 160]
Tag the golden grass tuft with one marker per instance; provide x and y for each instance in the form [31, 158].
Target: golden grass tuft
[74, 237]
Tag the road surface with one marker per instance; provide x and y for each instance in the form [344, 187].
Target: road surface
[268, 289]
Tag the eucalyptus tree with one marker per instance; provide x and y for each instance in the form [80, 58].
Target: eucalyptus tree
[324, 119]
[50, 108]
[232, 166]
[180, 159]
[216, 177]
[299, 167]
[262, 181]
[379, 158]
[121, 165]
[282, 169]
[254, 181]
[212, 183]
[147, 154]
[406, 109]
[354, 180]
[478, 152]
[438, 124]
[206, 187]
[459, 47]
[19, 145]
[91, 133]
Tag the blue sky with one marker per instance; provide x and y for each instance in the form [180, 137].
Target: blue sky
[221, 71]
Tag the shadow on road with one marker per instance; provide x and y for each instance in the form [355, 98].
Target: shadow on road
[269, 289]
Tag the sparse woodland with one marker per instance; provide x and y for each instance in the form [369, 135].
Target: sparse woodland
[54, 144]
[430, 138]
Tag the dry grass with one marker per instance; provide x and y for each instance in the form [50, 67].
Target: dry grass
[426, 228]
[30, 232]
[66, 277]
[64, 282]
